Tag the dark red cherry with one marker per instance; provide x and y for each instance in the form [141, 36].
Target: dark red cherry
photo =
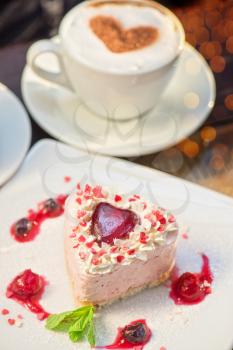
[51, 205]
[109, 222]
[188, 287]
[135, 333]
[22, 227]
[27, 284]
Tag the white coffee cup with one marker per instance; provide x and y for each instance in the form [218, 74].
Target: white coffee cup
[115, 94]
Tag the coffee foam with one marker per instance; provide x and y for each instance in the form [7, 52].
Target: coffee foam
[92, 51]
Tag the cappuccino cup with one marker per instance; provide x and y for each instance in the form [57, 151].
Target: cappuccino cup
[116, 56]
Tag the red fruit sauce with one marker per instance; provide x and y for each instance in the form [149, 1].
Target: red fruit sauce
[27, 289]
[109, 222]
[122, 343]
[192, 288]
[26, 229]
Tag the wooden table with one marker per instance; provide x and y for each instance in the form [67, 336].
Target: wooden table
[206, 157]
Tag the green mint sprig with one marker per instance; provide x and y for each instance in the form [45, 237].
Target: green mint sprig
[79, 324]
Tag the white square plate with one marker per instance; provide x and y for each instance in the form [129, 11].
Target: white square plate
[206, 326]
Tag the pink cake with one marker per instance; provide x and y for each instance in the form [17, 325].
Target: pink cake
[116, 245]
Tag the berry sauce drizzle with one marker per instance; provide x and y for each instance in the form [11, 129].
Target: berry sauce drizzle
[27, 289]
[26, 229]
[192, 288]
[133, 336]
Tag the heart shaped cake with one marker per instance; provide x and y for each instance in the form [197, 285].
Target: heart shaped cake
[110, 237]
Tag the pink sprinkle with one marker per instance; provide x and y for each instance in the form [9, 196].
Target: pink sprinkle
[101, 252]
[78, 186]
[97, 191]
[120, 258]
[95, 261]
[73, 235]
[82, 255]
[82, 239]
[117, 198]
[5, 312]
[132, 199]
[81, 213]
[76, 245]
[124, 248]
[171, 219]
[158, 215]
[93, 251]
[160, 228]
[185, 236]
[20, 317]
[89, 244]
[143, 238]
[162, 221]
[11, 321]
[136, 196]
[153, 223]
[83, 224]
[131, 251]
[79, 200]
[162, 348]
[113, 249]
[67, 178]
[87, 197]
[144, 205]
[87, 188]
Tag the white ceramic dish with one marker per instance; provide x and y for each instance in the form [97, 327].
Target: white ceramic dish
[183, 108]
[15, 133]
[210, 216]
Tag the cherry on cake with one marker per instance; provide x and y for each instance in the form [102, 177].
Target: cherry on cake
[115, 244]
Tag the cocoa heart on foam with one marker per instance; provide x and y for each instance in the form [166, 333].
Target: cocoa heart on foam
[119, 40]
[109, 222]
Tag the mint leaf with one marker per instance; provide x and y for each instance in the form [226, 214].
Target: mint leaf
[76, 336]
[54, 321]
[77, 323]
[90, 333]
[66, 319]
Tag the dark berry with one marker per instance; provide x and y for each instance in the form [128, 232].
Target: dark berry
[50, 205]
[23, 227]
[135, 333]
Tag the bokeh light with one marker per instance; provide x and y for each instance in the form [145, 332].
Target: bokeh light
[208, 134]
[229, 102]
[229, 44]
[218, 64]
[189, 147]
[220, 149]
[217, 163]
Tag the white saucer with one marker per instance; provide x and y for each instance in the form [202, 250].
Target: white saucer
[183, 108]
[15, 133]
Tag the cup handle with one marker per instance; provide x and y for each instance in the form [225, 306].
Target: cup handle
[47, 46]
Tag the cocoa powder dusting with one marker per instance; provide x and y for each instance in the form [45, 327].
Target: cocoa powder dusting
[119, 40]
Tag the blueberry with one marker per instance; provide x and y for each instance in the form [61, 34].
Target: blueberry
[23, 227]
[50, 205]
[135, 333]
